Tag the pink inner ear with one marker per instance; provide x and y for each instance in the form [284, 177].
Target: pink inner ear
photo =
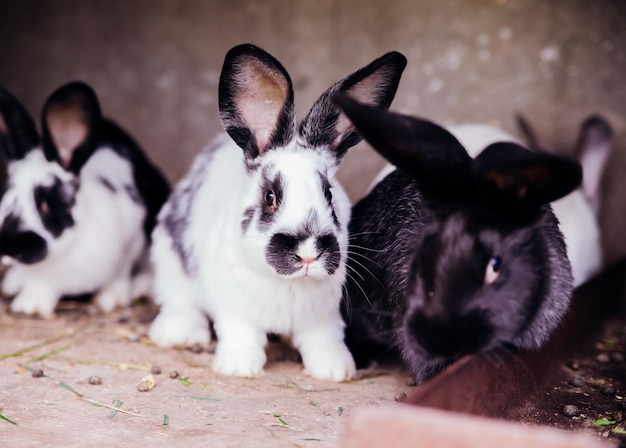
[261, 98]
[68, 131]
[593, 162]
[343, 126]
[367, 91]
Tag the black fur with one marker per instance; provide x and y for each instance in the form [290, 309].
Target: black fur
[281, 252]
[150, 185]
[18, 134]
[176, 221]
[54, 204]
[267, 215]
[25, 246]
[421, 286]
[319, 127]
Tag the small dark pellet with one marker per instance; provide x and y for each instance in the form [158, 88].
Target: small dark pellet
[608, 389]
[155, 370]
[400, 396]
[37, 373]
[577, 382]
[570, 410]
[143, 386]
[173, 374]
[95, 380]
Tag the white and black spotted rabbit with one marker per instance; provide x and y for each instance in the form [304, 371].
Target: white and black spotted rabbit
[451, 255]
[79, 207]
[255, 236]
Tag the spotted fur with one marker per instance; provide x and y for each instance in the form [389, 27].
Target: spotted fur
[79, 207]
[258, 243]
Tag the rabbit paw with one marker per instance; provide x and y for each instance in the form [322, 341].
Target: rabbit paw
[34, 302]
[182, 329]
[117, 294]
[328, 365]
[244, 363]
[12, 282]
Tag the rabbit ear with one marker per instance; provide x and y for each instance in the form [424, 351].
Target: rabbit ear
[520, 181]
[375, 85]
[18, 134]
[71, 121]
[593, 149]
[530, 136]
[429, 153]
[256, 100]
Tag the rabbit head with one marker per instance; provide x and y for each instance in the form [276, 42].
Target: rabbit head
[489, 267]
[36, 209]
[296, 213]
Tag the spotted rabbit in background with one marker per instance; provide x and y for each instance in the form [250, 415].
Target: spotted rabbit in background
[79, 207]
[255, 236]
[451, 255]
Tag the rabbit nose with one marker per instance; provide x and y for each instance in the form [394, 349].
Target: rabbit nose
[308, 251]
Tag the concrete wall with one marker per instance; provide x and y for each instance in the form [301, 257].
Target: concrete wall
[155, 65]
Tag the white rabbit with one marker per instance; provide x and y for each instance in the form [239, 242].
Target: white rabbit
[576, 212]
[255, 236]
[79, 207]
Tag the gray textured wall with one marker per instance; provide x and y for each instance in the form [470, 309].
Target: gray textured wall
[155, 65]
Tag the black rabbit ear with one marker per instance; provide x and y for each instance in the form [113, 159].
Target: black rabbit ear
[71, 121]
[520, 180]
[256, 100]
[18, 134]
[375, 85]
[426, 151]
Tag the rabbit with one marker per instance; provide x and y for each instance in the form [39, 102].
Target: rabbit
[450, 255]
[577, 212]
[255, 235]
[80, 204]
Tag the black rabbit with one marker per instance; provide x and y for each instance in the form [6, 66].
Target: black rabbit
[451, 255]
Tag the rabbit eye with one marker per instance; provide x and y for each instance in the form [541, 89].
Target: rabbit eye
[493, 270]
[270, 199]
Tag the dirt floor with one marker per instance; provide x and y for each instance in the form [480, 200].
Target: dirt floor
[589, 393]
[47, 368]
[62, 408]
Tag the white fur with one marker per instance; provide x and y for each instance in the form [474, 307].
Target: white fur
[231, 280]
[96, 254]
